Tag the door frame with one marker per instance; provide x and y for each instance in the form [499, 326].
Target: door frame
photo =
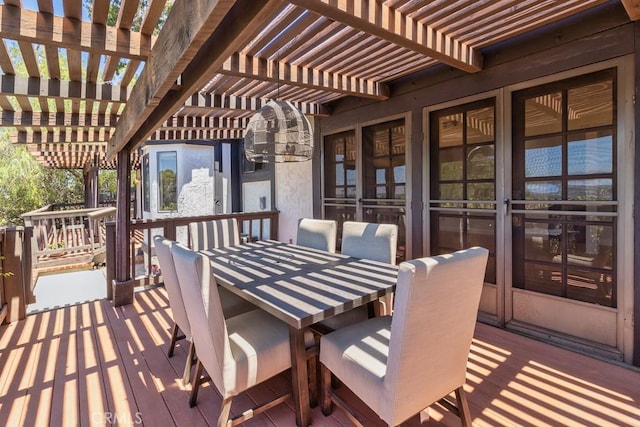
[625, 182]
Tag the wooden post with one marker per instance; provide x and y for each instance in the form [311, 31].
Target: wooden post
[14, 294]
[110, 272]
[123, 283]
[90, 186]
[636, 207]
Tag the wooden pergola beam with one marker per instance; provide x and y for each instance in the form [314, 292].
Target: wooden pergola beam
[375, 18]
[62, 32]
[231, 102]
[197, 38]
[50, 88]
[45, 119]
[633, 9]
[241, 65]
[205, 122]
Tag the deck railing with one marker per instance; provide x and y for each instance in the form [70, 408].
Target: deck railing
[144, 268]
[68, 237]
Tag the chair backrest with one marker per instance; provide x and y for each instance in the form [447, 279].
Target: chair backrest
[436, 306]
[208, 326]
[317, 234]
[377, 242]
[171, 283]
[217, 233]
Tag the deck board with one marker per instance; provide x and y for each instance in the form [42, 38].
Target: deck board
[80, 365]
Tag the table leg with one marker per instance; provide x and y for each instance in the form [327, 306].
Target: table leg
[299, 377]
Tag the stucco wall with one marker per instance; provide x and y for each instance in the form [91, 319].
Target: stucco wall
[294, 196]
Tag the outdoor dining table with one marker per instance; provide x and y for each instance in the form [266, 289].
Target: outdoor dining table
[300, 286]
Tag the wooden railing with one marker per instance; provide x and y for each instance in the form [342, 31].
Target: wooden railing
[68, 237]
[253, 226]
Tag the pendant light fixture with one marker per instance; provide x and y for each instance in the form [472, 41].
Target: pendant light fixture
[278, 133]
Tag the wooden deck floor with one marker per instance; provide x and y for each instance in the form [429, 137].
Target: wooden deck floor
[93, 364]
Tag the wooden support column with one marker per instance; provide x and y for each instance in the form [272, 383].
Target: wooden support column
[636, 205]
[14, 263]
[123, 283]
[90, 186]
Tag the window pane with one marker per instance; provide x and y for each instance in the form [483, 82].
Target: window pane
[481, 232]
[481, 162]
[451, 164]
[543, 241]
[584, 284]
[543, 157]
[399, 174]
[590, 105]
[543, 114]
[168, 180]
[450, 192]
[481, 191]
[145, 183]
[590, 189]
[591, 245]
[450, 233]
[590, 153]
[543, 190]
[480, 125]
[450, 128]
[339, 174]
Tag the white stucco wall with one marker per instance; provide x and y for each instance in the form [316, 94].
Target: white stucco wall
[294, 196]
[252, 193]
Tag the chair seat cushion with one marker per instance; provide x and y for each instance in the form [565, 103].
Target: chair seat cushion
[260, 347]
[357, 355]
[232, 304]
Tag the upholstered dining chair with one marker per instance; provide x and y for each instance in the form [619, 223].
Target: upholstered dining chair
[399, 365]
[181, 328]
[376, 242]
[317, 234]
[232, 305]
[212, 234]
[239, 352]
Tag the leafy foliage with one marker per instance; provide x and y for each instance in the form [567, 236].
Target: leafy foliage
[25, 185]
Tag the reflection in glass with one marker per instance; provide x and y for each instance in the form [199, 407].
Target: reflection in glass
[450, 233]
[339, 174]
[451, 164]
[168, 181]
[589, 285]
[544, 278]
[590, 189]
[481, 191]
[450, 130]
[543, 157]
[590, 153]
[450, 192]
[543, 114]
[543, 241]
[481, 232]
[543, 190]
[480, 125]
[590, 105]
[481, 162]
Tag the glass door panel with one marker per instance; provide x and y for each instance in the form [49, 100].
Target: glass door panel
[463, 188]
[564, 213]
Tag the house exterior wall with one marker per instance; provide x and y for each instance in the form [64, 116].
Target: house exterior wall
[592, 38]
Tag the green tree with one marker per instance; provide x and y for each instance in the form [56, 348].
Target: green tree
[26, 185]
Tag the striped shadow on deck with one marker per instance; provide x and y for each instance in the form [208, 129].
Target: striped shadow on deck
[93, 364]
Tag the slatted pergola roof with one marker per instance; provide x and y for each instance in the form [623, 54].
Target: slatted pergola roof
[76, 89]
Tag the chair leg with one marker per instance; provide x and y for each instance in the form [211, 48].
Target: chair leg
[174, 338]
[325, 386]
[225, 410]
[463, 407]
[193, 400]
[186, 377]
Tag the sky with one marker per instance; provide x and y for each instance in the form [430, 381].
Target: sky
[57, 7]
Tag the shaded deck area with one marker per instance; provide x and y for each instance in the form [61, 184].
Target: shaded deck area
[94, 364]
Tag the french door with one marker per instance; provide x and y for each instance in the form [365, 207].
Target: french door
[542, 198]
[365, 177]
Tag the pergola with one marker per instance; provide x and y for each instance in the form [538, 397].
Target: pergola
[81, 93]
